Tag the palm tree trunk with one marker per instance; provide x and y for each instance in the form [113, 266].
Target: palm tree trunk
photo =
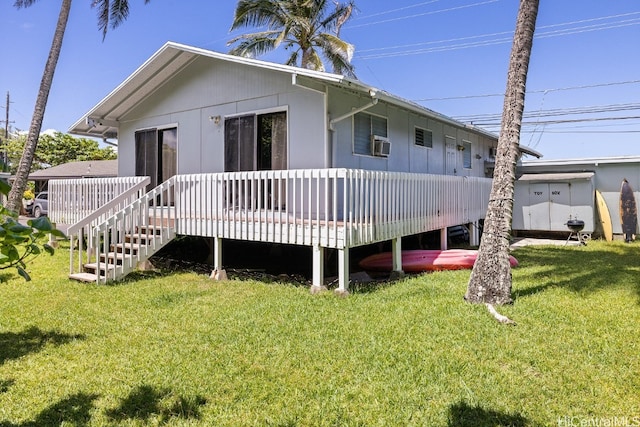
[490, 280]
[20, 183]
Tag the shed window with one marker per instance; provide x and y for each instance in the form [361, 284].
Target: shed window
[423, 137]
[466, 154]
[365, 125]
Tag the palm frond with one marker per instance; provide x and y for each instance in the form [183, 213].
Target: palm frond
[103, 7]
[252, 47]
[23, 3]
[258, 13]
[119, 12]
[296, 23]
[338, 53]
[293, 59]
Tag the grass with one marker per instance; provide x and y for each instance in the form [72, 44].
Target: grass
[179, 349]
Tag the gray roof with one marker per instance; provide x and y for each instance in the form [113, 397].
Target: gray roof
[102, 120]
[81, 169]
[560, 176]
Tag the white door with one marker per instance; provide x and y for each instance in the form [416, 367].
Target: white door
[450, 155]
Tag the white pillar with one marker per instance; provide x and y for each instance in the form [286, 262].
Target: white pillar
[444, 241]
[474, 233]
[343, 271]
[218, 272]
[396, 251]
[318, 266]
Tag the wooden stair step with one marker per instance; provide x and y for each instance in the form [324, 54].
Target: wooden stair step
[155, 229]
[113, 256]
[128, 246]
[84, 277]
[138, 237]
[102, 266]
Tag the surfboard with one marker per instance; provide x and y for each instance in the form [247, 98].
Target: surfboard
[628, 211]
[605, 217]
[415, 261]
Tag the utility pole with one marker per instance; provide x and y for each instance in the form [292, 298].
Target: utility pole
[4, 141]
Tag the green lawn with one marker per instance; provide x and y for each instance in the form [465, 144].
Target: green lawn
[179, 349]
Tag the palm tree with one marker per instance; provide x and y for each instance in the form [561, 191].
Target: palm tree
[309, 28]
[110, 15]
[490, 280]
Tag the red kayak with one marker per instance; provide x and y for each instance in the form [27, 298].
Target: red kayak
[426, 260]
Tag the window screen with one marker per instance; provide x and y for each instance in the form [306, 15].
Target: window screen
[365, 125]
[466, 154]
[424, 138]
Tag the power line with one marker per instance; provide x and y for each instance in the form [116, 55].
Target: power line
[476, 118]
[387, 12]
[503, 40]
[433, 12]
[530, 92]
[562, 121]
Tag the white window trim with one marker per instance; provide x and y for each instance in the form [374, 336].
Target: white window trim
[470, 144]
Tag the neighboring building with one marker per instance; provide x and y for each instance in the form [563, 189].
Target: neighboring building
[74, 170]
[551, 192]
[328, 161]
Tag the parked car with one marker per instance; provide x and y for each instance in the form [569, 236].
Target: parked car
[40, 204]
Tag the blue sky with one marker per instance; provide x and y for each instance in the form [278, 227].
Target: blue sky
[448, 55]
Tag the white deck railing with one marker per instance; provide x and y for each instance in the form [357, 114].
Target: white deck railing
[71, 200]
[332, 208]
[327, 207]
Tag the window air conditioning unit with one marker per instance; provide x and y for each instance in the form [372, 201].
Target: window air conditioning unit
[380, 146]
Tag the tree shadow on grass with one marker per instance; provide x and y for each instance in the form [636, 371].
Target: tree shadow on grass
[579, 269]
[145, 402]
[15, 345]
[5, 384]
[74, 410]
[462, 414]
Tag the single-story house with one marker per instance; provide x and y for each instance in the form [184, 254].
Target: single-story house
[237, 148]
[551, 192]
[74, 170]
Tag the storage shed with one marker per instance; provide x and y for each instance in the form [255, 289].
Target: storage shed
[550, 192]
[547, 201]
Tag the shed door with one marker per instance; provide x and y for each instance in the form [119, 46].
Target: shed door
[539, 206]
[559, 205]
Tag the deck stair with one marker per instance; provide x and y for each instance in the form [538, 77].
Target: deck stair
[124, 241]
[138, 247]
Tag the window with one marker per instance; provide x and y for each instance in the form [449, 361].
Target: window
[156, 153]
[256, 142]
[423, 137]
[365, 125]
[466, 154]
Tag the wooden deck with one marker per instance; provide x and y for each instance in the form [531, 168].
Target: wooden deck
[321, 208]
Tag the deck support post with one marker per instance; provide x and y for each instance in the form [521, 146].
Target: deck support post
[444, 240]
[218, 272]
[317, 278]
[474, 235]
[396, 256]
[343, 271]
